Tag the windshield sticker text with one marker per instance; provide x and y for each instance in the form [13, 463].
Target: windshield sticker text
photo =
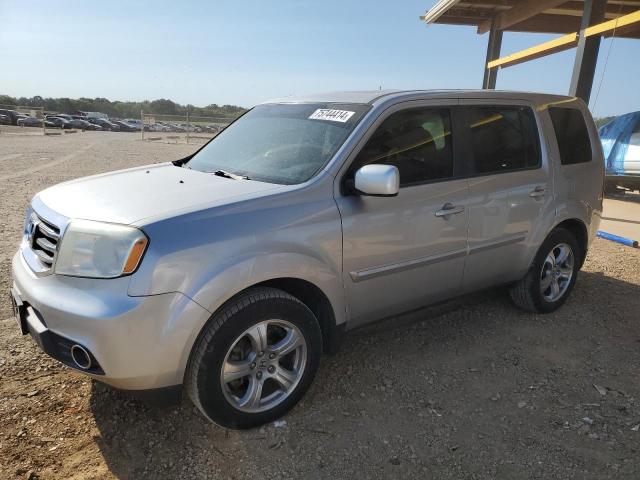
[342, 116]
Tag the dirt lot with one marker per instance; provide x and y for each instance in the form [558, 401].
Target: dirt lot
[471, 390]
[622, 215]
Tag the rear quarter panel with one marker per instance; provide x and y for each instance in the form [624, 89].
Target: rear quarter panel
[578, 187]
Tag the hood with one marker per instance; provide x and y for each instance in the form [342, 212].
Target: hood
[127, 196]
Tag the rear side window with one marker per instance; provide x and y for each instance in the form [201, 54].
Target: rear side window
[572, 135]
[502, 138]
[417, 141]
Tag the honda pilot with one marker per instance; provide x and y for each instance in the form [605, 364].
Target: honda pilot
[228, 273]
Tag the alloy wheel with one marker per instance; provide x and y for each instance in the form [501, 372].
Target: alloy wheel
[263, 366]
[557, 272]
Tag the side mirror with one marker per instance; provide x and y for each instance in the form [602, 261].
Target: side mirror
[377, 180]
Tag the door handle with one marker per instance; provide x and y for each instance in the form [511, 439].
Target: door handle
[537, 192]
[448, 209]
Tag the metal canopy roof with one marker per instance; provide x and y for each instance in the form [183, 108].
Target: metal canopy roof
[582, 24]
[536, 16]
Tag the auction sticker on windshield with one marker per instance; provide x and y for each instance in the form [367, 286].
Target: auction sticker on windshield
[330, 114]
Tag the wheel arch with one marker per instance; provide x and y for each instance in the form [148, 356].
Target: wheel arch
[332, 324]
[318, 302]
[579, 230]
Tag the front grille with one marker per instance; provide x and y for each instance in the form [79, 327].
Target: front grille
[43, 238]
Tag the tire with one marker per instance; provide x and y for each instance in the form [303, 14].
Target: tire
[226, 335]
[530, 293]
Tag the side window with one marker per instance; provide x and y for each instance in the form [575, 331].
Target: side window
[502, 138]
[416, 141]
[572, 135]
[634, 140]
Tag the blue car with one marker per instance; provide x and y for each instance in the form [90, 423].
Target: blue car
[621, 146]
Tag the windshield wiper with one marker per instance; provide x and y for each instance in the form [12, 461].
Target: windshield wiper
[234, 176]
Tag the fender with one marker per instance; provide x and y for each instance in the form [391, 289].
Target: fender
[234, 278]
[238, 276]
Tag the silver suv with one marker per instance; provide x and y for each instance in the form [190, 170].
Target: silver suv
[228, 273]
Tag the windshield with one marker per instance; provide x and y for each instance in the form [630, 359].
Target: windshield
[280, 143]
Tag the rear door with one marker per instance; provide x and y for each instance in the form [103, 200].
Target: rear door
[406, 251]
[510, 189]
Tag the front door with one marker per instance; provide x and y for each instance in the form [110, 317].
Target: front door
[406, 251]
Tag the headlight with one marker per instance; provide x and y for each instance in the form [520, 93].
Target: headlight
[100, 250]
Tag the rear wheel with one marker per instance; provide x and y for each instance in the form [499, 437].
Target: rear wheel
[552, 275]
[255, 359]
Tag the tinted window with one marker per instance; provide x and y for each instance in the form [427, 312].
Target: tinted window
[572, 135]
[416, 141]
[502, 139]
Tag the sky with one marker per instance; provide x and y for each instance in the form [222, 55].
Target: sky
[245, 52]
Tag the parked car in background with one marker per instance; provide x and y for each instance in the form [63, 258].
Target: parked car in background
[104, 123]
[68, 118]
[87, 115]
[59, 122]
[13, 115]
[621, 145]
[126, 126]
[156, 127]
[164, 126]
[134, 121]
[205, 129]
[89, 125]
[5, 119]
[28, 122]
[77, 122]
[73, 122]
[34, 122]
[82, 124]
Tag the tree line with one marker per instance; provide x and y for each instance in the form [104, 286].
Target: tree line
[121, 109]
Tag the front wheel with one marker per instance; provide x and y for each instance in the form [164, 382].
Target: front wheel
[552, 275]
[254, 359]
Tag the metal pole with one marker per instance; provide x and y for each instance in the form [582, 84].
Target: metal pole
[188, 126]
[44, 129]
[142, 129]
[584, 66]
[494, 46]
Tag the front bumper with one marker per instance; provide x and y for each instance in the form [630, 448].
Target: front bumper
[138, 343]
[54, 345]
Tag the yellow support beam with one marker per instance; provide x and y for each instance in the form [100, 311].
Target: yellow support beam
[565, 42]
[611, 25]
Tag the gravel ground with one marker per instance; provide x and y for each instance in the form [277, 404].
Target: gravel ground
[472, 389]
